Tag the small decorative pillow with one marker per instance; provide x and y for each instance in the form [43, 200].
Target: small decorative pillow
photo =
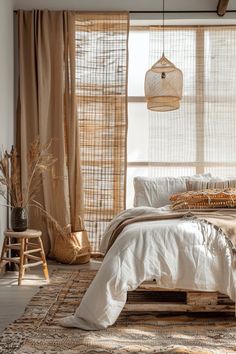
[156, 191]
[207, 198]
[214, 183]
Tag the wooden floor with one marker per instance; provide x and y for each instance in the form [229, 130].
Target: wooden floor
[14, 298]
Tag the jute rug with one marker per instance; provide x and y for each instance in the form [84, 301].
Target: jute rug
[37, 330]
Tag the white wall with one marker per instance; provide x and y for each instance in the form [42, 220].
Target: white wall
[6, 87]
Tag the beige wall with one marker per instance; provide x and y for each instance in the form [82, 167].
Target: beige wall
[6, 87]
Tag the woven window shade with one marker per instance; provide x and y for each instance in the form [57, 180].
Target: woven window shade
[101, 88]
[200, 136]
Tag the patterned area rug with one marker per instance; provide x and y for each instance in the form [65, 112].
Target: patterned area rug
[37, 330]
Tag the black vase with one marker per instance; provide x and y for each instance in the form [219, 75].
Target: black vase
[19, 219]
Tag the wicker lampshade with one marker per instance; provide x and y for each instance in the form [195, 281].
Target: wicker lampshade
[163, 86]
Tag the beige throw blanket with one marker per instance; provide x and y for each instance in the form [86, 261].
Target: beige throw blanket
[222, 219]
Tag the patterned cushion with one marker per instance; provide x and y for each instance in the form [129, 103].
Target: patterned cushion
[206, 198]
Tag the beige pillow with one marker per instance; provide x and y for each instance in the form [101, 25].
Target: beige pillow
[214, 183]
[205, 199]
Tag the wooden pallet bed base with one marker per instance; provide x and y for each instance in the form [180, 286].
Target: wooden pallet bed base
[148, 297]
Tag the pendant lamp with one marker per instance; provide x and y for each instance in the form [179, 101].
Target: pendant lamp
[163, 83]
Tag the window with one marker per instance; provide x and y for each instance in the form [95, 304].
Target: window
[201, 135]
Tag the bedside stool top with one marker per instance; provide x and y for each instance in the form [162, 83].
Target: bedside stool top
[27, 233]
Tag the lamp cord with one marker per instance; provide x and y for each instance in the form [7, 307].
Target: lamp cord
[163, 35]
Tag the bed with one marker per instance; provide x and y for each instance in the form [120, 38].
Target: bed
[178, 253]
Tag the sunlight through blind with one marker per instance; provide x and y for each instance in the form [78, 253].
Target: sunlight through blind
[101, 88]
[201, 135]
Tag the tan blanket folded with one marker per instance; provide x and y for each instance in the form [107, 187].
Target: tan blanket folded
[223, 219]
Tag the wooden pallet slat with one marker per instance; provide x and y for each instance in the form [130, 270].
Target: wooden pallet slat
[148, 297]
[171, 307]
[201, 298]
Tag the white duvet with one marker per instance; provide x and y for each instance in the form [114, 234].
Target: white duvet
[174, 252]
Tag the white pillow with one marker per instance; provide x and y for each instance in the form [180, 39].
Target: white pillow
[156, 191]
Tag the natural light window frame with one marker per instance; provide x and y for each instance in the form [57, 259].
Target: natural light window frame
[200, 164]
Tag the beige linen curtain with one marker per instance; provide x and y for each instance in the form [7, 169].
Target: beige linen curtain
[73, 88]
[47, 108]
[101, 90]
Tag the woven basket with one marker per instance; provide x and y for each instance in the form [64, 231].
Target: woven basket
[72, 249]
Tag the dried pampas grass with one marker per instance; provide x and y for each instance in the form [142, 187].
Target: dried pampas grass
[39, 160]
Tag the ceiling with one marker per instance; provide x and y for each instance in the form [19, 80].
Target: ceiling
[143, 5]
[131, 5]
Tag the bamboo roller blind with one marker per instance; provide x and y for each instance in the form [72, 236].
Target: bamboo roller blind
[201, 135]
[101, 90]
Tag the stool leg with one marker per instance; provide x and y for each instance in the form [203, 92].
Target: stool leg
[21, 266]
[4, 249]
[25, 255]
[45, 267]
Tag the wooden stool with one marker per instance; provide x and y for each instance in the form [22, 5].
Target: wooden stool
[26, 250]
